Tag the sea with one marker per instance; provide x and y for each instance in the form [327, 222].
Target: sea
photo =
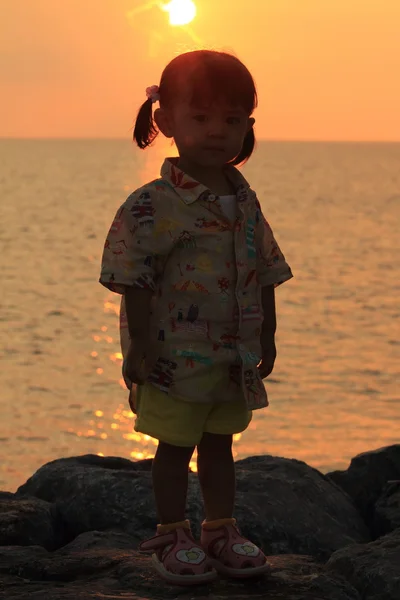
[334, 392]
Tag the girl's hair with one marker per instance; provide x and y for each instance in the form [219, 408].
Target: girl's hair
[209, 76]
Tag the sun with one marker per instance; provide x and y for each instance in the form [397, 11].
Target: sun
[181, 12]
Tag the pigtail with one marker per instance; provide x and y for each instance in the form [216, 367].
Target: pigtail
[145, 131]
[249, 143]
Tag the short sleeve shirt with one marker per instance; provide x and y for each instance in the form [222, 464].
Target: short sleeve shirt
[206, 272]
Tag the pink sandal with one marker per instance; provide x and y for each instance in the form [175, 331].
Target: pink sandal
[230, 553]
[178, 559]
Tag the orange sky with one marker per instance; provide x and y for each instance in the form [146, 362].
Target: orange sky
[325, 69]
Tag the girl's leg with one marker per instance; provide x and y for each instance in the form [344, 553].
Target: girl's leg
[231, 553]
[170, 481]
[216, 470]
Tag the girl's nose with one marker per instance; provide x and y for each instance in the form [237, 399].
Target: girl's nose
[217, 130]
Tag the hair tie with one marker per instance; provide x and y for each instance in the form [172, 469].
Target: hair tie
[153, 93]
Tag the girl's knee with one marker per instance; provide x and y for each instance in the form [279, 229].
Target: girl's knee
[174, 453]
[213, 443]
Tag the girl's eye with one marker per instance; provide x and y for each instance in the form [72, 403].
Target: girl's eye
[233, 120]
[200, 118]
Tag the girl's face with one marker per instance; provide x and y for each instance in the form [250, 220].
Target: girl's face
[208, 136]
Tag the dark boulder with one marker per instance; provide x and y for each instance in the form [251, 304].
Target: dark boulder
[27, 521]
[291, 508]
[284, 505]
[93, 568]
[373, 569]
[71, 533]
[90, 496]
[366, 477]
[387, 510]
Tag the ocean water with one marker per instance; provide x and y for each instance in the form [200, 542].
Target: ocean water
[334, 392]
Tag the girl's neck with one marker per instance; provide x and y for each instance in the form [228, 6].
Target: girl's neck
[214, 178]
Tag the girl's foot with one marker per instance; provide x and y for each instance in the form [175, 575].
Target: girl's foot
[176, 556]
[230, 553]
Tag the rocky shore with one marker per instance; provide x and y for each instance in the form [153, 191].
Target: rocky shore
[71, 531]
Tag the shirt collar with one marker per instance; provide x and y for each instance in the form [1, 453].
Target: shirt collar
[189, 190]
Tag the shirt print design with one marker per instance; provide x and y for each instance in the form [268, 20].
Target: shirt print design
[172, 237]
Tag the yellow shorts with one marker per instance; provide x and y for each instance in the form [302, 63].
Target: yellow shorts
[181, 423]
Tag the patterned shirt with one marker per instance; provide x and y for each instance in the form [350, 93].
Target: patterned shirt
[172, 237]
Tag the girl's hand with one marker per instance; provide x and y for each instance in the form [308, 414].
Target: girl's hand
[137, 306]
[266, 365]
[135, 361]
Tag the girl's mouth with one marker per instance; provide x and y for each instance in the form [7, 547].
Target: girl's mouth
[214, 148]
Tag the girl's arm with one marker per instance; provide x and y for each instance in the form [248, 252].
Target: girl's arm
[269, 310]
[134, 251]
[267, 338]
[272, 270]
[137, 306]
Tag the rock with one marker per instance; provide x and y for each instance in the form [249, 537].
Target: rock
[71, 533]
[28, 520]
[283, 505]
[373, 569]
[93, 569]
[366, 477]
[116, 495]
[288, 507]
[6, 495]
[12, 558]
[387, 510]
[99, 539]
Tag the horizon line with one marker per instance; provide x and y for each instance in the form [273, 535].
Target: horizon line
[270, 140]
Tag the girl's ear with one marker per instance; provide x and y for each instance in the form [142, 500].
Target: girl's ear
[163, 122]
[250, 123]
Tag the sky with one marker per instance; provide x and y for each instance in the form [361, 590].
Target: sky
[324, 69]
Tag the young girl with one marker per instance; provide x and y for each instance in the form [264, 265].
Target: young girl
[196, 264]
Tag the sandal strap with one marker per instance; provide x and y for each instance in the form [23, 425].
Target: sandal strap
[211, 525]
[220, 541]
[157, 542]
[167, 528]
[166, 536]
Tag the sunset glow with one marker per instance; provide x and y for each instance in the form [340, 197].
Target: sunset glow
[181, 12]
[323, 70]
